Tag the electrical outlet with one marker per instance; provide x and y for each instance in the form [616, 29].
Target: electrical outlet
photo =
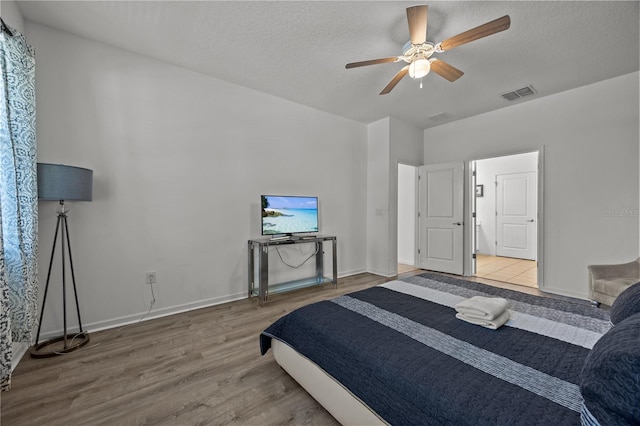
[150, 277]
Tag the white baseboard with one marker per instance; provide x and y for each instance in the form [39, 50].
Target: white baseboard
[154, 313]
[563, 292]
[18, 351]
[350, 273]
[166, 311]
[383, 273]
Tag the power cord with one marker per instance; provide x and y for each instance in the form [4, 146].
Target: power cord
[84, 333]
[303, 262]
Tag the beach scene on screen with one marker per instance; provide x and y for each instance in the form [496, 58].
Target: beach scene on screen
[286, 214]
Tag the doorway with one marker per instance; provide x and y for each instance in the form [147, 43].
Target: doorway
[406, 218]
[506, 219]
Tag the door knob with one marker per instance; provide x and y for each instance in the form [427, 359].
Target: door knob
[457, 223]
[530, 220]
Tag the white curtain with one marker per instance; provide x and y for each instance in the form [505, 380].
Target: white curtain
[18, 197]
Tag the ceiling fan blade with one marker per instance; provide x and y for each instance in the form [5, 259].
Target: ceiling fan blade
[371, 62]
[445, 70]
[484, 30]
[417, 18]
[395, 80]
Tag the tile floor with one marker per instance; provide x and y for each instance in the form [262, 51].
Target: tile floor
[504, 269]
[507, 269]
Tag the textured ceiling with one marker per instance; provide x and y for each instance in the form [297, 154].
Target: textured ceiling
[297, 50]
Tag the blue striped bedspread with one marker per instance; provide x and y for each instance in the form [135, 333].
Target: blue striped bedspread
[399, 348]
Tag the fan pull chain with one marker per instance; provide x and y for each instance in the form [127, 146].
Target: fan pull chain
[421, 82]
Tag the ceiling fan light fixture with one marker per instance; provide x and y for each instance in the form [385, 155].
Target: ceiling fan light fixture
[416, 52]
[419, 68]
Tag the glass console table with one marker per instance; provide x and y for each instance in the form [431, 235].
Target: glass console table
[259, 285]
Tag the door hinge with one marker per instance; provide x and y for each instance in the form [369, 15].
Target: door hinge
[473, 214]
[418, 214]
[474, 173]
[418, 251]
[496, 243]
[473, 255]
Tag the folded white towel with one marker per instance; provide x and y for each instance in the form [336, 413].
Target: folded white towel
[480, 307]
[492, 324]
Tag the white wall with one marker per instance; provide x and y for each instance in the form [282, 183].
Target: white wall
[378, 222]
[390, 141]
[180, 160]
[11, 14]
[406, 147]
[486, 172]
[406, 214]
[590, 138]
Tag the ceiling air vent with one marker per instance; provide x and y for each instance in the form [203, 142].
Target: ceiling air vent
[519, 93]
[442, 117]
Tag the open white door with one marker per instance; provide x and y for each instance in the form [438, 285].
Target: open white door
[516, 211]
[441, 192]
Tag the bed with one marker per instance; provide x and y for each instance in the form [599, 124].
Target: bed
[396, 354]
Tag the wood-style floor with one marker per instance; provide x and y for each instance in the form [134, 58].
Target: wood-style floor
[196, 368]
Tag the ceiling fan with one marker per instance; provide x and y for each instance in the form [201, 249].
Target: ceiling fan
[418, 51]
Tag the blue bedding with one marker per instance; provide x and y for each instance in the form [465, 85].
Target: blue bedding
[400, 350]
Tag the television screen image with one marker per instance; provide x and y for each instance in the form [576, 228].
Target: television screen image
[289, 214]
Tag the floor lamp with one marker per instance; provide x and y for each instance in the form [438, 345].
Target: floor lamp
[57, 182]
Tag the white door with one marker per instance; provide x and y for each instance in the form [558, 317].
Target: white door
[441, 192]
[516, 215]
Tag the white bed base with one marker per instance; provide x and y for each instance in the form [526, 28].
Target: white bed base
[335, 398]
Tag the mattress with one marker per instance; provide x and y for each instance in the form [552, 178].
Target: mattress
[335, 398]
[399, 351]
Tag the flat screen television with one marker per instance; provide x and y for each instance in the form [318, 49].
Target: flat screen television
[288, 214]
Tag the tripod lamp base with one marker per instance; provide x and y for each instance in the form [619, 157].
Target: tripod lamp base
[56, 346]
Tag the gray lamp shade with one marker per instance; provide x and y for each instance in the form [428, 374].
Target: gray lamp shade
[60, 182]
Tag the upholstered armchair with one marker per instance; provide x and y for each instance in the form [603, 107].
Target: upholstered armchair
[606, 282]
